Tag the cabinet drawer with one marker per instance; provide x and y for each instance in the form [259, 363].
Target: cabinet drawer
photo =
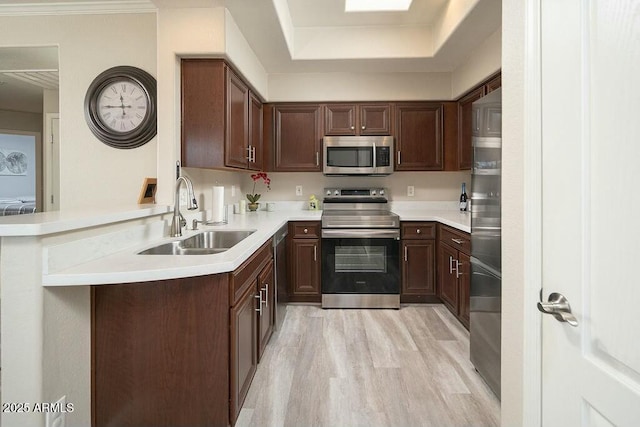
[245, 275]
[455, 238]
[303, 229]
[418, 230]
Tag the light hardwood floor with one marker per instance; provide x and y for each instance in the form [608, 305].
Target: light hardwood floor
[407, 367]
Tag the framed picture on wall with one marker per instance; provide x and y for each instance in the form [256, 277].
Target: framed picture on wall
[13, 162]
[148, 191]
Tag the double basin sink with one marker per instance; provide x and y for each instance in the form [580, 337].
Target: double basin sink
[204, 243]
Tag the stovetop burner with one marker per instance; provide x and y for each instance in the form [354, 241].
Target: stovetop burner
[357, 208]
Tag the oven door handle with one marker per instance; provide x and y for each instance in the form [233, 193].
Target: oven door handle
[361, 234]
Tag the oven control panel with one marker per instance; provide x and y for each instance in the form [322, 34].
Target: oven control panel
[355, 193]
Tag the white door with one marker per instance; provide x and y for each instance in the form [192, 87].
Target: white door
[52, 162]
[590, 54]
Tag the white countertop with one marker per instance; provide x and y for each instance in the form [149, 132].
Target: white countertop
[56, 222]
[126, 266]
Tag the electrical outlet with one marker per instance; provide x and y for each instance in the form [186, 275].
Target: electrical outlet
[411, 191]
[57, 417]
[233, 190]
[298, 190]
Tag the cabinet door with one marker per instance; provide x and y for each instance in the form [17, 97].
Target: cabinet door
[494, 83]
[418, 267]
[243, 349]
[237, 118]
[448, 282]
[340, 119]
[305, 270]
[375, 119]
[203, 87]
[464, 284]
[298, 136]
[468, 125]
[419, 137]
[265, 315]
[255, 131]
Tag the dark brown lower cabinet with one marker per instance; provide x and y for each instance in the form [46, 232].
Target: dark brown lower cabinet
[266, 312]
[160, 353]
[244, 344]
[454, 271]
[418, 271]
[180, 352]
[448, 280]
[304, 262]
[418, 262]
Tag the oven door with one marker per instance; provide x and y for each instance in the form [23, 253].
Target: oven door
[360, 262]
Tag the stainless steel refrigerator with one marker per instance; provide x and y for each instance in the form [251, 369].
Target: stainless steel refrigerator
[486, 283]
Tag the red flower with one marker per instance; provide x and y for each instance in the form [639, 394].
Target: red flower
[256, 177]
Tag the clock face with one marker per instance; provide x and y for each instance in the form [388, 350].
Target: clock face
[122, 106]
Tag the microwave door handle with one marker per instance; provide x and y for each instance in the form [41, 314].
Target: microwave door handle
[375, 164]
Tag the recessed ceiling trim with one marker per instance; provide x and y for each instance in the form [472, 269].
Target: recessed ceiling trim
[377, 5]
[47, 79]
[78, 8]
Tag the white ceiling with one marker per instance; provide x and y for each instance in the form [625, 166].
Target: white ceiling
[300, 36]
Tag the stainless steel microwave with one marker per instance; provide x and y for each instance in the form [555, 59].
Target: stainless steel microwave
[357, 155]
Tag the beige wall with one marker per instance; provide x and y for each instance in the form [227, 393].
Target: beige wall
[432, 186]
[484, 61]
[359, 86]
[16, 120]
[513, 172]
[91, 173]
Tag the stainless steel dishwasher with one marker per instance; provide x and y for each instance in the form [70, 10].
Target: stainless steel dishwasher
[280, 271]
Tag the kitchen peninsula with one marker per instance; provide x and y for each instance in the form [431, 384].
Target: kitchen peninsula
[50, 261]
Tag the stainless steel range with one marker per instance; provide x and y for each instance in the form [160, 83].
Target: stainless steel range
[360, 249]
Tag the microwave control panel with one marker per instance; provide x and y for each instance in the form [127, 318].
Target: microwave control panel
[383, 156]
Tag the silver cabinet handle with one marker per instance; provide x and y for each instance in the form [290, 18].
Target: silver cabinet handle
[457, 269]
[405, 254]
[398, 157]
[315, 253]
[558, 306]
[418, 231]
[458, 241]
[266, 295]
[249, 155]
[259, 298]
[353, 127]
[450, 265]
[363, 127]
[317, 159]
[253, 151]
[305, 231]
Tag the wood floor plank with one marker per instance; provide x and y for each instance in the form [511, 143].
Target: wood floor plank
[406, 367]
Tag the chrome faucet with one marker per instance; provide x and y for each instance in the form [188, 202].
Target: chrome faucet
[178, 220]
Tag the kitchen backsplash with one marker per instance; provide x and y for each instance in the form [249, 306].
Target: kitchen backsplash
[428, 186]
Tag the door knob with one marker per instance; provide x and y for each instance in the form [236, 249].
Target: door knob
[558, 306]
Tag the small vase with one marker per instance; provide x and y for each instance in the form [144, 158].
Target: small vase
[253, 206]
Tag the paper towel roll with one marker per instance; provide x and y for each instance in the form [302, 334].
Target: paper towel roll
[217, 207]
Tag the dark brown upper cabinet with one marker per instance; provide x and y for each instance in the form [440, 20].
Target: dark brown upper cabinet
[297, 138]
[419, 137]
[358, 119]
[459, 156]
[221, 117]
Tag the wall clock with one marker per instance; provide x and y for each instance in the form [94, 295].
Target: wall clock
[120, 107]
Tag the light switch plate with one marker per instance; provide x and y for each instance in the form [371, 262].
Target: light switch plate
[298, 190]
[411, 191]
